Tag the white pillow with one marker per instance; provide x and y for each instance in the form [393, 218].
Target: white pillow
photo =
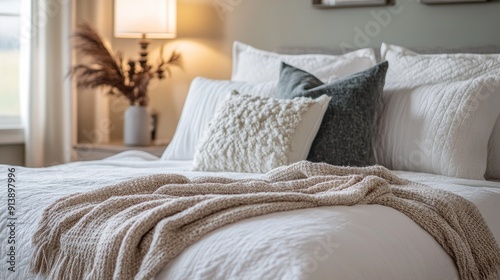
[451, 67]
[254, 65]
[439, 112]
[438, 68]
[257, 134]
[201, 103]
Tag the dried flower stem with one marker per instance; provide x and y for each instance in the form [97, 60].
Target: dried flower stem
[124, 77]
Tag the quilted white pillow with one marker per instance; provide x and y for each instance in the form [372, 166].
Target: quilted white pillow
[437, 68]
[254, 65]
[439, 112]
[202, 100]
[256, 134]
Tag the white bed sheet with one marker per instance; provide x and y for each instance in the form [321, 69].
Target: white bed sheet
[342, 242]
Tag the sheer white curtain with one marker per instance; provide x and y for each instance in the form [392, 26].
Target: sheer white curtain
[47, 92]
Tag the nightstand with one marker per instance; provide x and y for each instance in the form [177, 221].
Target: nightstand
[89, 151]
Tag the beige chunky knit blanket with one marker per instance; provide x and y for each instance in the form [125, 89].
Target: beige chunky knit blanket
[132, 229]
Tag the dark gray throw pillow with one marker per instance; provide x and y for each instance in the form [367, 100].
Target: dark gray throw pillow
[344, 137]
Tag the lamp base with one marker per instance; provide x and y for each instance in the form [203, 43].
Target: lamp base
[144, 43]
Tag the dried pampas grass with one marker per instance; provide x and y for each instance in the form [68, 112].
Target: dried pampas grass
[102, 68]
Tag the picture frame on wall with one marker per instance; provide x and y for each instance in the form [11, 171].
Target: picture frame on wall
[326, 4]
[432, 2]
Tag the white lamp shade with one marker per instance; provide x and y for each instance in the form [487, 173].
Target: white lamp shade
[156, 19]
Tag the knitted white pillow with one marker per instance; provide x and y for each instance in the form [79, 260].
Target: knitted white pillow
[256, 134]
[439, 112]
[418, 69]
[203, 99]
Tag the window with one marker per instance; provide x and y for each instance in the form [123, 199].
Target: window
[10, 60]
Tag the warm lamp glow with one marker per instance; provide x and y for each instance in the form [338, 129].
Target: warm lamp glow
[155, 19]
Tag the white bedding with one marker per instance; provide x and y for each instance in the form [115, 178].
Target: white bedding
[340, 242]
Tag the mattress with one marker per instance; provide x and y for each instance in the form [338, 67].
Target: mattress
[339, 242]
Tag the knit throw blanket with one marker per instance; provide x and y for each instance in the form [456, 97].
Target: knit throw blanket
[133, 229]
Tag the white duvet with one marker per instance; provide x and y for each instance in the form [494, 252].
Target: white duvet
[339, 242]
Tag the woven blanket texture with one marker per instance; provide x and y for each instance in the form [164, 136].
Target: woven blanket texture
[131, 230]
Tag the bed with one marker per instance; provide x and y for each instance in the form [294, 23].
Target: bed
[335, 242]
[346, 242]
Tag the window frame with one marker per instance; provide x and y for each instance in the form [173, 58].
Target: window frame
[11, 128]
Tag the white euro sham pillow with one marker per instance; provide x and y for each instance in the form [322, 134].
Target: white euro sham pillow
[438, 68]
[202, 100]
[438, 113]
[254, 65]
[450, 67]
[257, 134]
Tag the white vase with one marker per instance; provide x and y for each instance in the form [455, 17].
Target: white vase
[137, 126]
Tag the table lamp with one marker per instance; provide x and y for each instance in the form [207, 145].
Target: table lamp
[153, 19]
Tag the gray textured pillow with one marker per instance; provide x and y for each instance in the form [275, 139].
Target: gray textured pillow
[344, 137]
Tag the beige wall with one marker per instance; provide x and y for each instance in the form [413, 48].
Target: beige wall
[200, 39]
[12, 154]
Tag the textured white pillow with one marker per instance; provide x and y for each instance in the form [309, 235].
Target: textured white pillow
[439, 112]
[450, 67]
[254, 65]
[256, 134]
[437, 68]
[201, 103]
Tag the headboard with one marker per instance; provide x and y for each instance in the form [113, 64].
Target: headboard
[488, 49]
